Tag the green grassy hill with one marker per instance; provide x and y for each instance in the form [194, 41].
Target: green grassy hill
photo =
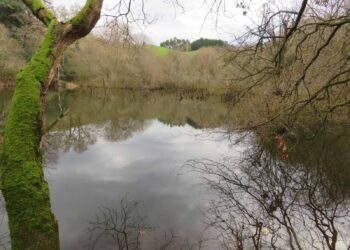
[161, 51]
[157, 50]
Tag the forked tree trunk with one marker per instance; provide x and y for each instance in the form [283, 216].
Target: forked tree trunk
[31, 222]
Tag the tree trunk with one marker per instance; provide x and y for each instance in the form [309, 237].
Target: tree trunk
[31, 222]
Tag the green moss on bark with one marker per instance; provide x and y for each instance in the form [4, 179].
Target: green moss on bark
[37, 6]
[31, 222]
[79, 17]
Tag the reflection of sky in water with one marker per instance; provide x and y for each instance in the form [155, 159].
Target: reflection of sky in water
[124, 152]
[145, 166]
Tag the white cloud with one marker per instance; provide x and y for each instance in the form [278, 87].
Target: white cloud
[192, 23]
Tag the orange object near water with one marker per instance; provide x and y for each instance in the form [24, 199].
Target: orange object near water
[281, 145]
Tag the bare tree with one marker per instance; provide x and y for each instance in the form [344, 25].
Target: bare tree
[267, 203]
[298, 54]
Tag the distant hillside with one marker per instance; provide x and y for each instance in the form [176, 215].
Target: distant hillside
[161, 51]
[157, 50]
[205, 42]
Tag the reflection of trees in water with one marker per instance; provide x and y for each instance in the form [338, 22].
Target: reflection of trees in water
[116, 117]
[180, 123]
[122, 129]
[327, 151]
[121, 228]
[5, 242]
[98, 106]
[266, 203]
[76, 136]
[119, 114]
[126, 228]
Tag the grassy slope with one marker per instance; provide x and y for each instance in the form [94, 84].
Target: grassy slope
[161, 51]
[157, 50]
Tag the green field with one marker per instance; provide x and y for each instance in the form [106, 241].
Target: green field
[157, 50]
[161, 51]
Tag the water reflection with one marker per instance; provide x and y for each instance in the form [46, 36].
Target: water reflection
[120, 228]
[117, 116]
[145, 166]
[114, 143]
[125, 228]
[5, 97]
[4, 234]
[265, 202]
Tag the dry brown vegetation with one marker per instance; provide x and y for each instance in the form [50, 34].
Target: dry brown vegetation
[11, 57]
[304, 77]
[311, 84]
[97, 62]
[17, 45]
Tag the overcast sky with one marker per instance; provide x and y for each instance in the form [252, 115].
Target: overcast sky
[192, 23]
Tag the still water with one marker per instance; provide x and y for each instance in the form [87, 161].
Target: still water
[159, 165]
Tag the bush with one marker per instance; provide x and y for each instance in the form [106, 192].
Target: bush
[11, 57]
[204, 42]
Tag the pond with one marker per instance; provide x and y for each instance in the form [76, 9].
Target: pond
[164, 166]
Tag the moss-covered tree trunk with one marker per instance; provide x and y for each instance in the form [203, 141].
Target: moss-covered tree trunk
[31, 222]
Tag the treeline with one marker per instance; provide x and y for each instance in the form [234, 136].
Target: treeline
[205, 42]
[186, 45]
[95, 61]
[101, 62]
[108, 58]
[309, 78]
